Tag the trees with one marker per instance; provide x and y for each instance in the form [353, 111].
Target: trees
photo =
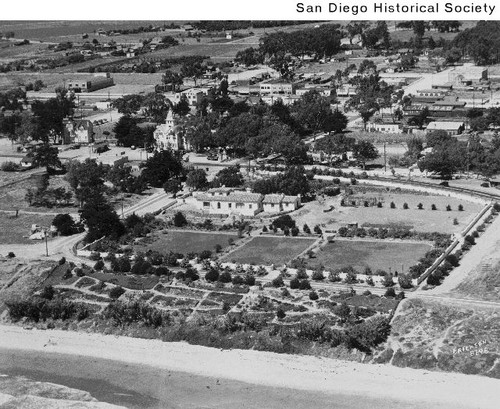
[128, 104]
[161, 167]
[101, 219]
[229, 177]
[179, 219]
[64, 224]
[47, 156]
[86, 179]
[364, 151]
[173, 78]
[313, 112]
[445, 159]
[249, 56]
[172, 186]
[196, 179]
[128, 133]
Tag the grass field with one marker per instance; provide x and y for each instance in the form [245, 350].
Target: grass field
[374, 254]
[187, 241]
[16, 230]
[270, 250]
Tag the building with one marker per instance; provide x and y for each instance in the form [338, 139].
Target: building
[226, 201]
[170, 136]
[385, 127]
[277, 203]
[90, 84]
[276, 87]
[77, 131]
[192, 95]
[27, 162]
[451, 128]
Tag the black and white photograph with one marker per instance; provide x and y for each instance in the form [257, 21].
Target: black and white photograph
[257, 214]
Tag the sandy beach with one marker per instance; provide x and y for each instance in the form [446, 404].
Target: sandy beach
[418, 388]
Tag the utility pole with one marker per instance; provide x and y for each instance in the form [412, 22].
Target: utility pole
[385, 159]
[46, 243]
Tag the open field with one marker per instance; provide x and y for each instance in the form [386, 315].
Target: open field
[16, 230]
[449, 337]
[406, 35]
[385, 255]
[270, 250]
[186, 241]
[425, 220]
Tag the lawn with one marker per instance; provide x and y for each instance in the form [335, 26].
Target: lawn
[187, 241]
[393, 256]
[270, 250]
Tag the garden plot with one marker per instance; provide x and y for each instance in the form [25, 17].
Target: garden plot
[269, 250]
[384, 255]
[185, 242]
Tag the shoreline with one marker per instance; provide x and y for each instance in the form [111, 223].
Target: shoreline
[267, 369]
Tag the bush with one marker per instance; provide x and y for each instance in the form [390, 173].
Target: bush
[62, 261]
[306, 229]
[205, 255]
[370, 281]
[433, 207]
[387, 281]
[305, 284]
[280, 314]
[317, 229]
[393, 205]
[379, 204]
[116, 292]
[212, 275]
[405, 206]
[448, 208]
[294, 283]
[455, 221]
[404, 281]
[10, 166]
[295, 231]
[265, 229]
[179, 220]
[278, 282]
[390, 292]
[469, 240]
[225, 277]
[99, 265]
[64, 224]
[318, 275]
[283, 221]
[313, 295]
[48, 292]
[420, 206]
[460, 208]
[11, 254]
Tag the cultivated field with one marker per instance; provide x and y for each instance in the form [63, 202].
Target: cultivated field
[185, 241]
[385, 255]
[270, 250]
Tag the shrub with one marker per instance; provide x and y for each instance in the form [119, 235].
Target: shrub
[448, 208]
[460, 208]
[225, 277]
[294, 283]
[393, 205]
[280, 314]
[62, 261]
[420, 206]
[306, 229]
[351, 277]
[116, 292]
[218, 248]
[318, 275]
[286, 231]
[179, 220]
[379, 204]
[317, 229]
[433, 207]
[313, 295]
[390, 292]
[9, 166]
[278, 282]
[469, 240]
[121, 265]
[455, 221]
[334, 277]
[265, 229]
[11, 254]
[212, 275]
[79, 272]
[283, 221]
[99, 265]
[249, 280]
[205, 255]
[366, 203]
[433, 280]
[370, 281]
[295, 231]
[387, 281]
[405, 206]
[368, 271]
[48, 292]
[404, 281]
[475, 234]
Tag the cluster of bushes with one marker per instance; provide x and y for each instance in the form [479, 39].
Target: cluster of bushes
[126, 313]
[39, 308]
[338, 173]
[226, 276]
[391, 233]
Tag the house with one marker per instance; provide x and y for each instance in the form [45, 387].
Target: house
[276, 86]
[384, 127]
[90, 84]
[77, 131]
[170, 136]
[451, 128]
[192, 95]
[276, 203]
[226, 201]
